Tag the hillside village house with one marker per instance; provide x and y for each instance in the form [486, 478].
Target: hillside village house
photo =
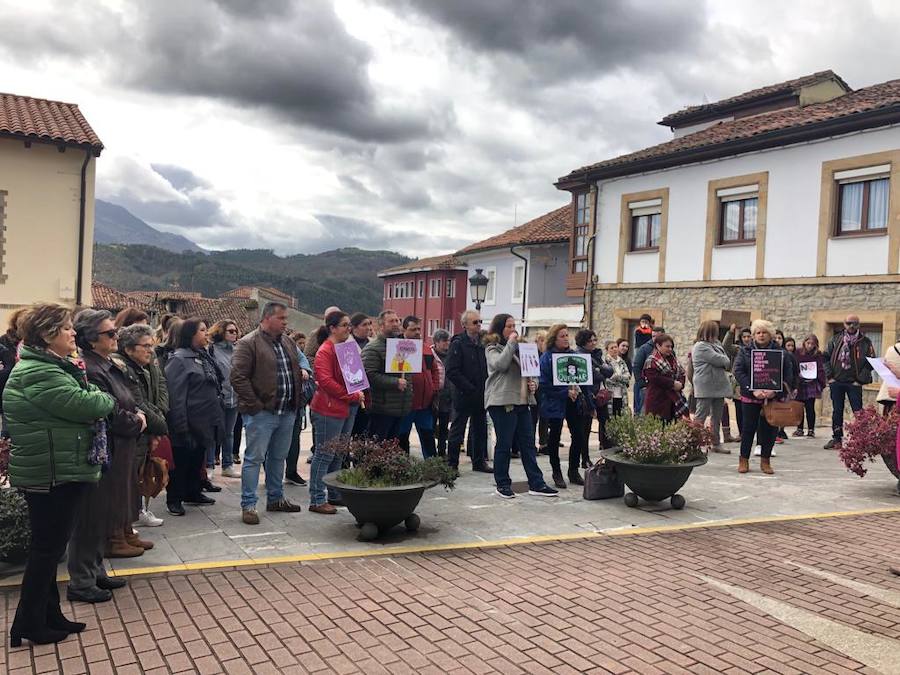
[255, 298]
[48, 153]
[782, 202]
[527, 270]
[434, 289]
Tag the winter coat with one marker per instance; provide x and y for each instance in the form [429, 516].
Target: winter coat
[860, 371]
[427, 383]
[467, 370]
[196, 415]
[553, 398]
[331, 398]
[892, 357]
[618, 382]
[637, 365]
[743, 366]
[505, 384]
[254, 372]
[659, 392]
[443, 399]
[222, 352]
[50, 412]
[123, 426]
[810, 389]
[710, 367]
[8, 356]
[387, 399]
[642, 337]
[140, 385]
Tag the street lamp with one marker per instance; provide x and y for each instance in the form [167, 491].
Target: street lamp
[478, 284]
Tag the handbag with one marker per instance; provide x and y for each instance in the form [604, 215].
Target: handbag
[602, 481]
[780, 414]
[154, 476]
[602, 397]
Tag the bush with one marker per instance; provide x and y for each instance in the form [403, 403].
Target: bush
[869, 435]
[15, 531]
[645, 439]
[386, 464]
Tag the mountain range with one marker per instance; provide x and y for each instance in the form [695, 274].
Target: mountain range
[127, 261]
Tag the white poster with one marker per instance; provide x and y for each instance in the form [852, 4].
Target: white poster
[570, 368]
[884, 372]
[403, 355]
[529, 360]
[809, 370]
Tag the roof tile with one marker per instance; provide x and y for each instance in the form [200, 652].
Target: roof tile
[43, 120]
[549, 228]
[440, 262]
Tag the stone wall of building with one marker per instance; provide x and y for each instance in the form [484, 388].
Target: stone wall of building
[790, 308]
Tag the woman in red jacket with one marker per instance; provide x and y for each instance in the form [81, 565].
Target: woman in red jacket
[665, 381]
[333, 411]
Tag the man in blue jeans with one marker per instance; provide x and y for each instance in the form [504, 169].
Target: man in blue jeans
[847, 370]
[268, 381]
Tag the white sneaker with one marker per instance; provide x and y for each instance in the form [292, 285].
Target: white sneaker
[210, 473]
[147, 519]
[231, 472]
[757, 451]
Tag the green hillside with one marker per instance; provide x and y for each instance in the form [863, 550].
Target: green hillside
[345, 277]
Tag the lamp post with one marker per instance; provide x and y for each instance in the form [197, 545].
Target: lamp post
[478, 284]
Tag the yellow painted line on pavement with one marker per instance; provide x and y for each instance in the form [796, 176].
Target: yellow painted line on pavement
[462, 546]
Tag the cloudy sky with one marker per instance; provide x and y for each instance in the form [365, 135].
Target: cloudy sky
[411, 125]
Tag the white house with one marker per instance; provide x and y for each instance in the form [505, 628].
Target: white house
[527, 268]
[782, 202]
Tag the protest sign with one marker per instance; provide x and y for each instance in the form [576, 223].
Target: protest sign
[809, 370]
[884, 372]
[766, 369]
[529, 360]
[403, 355]
[572, 369]
[351, 364]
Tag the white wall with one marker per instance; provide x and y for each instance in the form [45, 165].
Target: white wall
[501, 262]
[733, 262]
[641, 266]
[792, 222]
[857, 255]
[547, 271]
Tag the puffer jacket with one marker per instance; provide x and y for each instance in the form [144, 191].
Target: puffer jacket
[331, 398]
[743, 366]
[505, 384]
[50, 412]
[387, 399]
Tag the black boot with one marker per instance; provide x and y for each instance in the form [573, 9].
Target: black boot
[575, 478]
[558, 480]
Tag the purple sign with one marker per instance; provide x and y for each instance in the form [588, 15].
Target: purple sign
[352, 369]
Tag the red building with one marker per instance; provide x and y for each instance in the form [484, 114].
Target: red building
[433, 289]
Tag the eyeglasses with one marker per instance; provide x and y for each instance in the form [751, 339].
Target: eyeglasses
[477, 321]
[851, 324]
[111, 333]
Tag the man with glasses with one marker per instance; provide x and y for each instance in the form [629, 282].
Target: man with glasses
[467, 369]
[847, 371]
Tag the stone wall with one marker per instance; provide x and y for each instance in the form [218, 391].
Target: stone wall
[797, 310]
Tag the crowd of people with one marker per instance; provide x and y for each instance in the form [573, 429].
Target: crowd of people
[93, 403]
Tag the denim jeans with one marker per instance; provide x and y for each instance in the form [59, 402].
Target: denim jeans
[226, 450]
[327, 429]
[424, 421]
[638, 400]
[838, 390]
[509, 425]
[268, 442]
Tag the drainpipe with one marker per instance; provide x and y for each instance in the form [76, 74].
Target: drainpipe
[524, 282]
[79, 276]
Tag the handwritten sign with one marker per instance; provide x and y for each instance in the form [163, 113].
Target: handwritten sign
[529, 360]
[403, 355]
[350, 361]
[572, 369]
[809, 370]
[766, 369]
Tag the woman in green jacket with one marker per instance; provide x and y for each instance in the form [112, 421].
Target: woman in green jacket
[51, 412]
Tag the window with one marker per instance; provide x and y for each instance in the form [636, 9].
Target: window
[421, 288]
[863, 200]
[646, 224]
[738, 210]
[582, 232]
[435, 288]
[451, 288]
[449, 326]
[489, 296]
[518, 282]
[433, 325]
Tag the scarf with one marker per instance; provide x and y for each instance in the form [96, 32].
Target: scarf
[847, 345]
[668, 365]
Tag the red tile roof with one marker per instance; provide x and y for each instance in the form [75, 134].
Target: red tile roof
[550, 228]
[440, 262]
[767, 129]
[788, 87]
[108, 298]
[246, 292]
[46, 121]
[150, 296]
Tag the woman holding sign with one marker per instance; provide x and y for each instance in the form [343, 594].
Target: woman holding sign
[811, 381]
[558, 403]
[763, 373]
[333, 410]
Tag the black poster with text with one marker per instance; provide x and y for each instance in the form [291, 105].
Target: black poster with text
[766, 369]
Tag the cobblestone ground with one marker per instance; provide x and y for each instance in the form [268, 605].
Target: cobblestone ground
[806, 596]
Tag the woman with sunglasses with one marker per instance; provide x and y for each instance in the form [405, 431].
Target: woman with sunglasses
[223, 335]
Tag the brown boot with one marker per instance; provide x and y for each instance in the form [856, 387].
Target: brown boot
[135, 540]
[117, 547]
[766, 466]
[743, 465]
[726, 437]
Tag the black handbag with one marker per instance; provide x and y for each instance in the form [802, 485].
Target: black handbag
[602, 481]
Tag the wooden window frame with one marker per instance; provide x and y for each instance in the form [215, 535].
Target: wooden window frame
[714, 219]
[582, 219]
[864, 230]
[632, 246]
[723, 204]
[625, 230]
[451, 287]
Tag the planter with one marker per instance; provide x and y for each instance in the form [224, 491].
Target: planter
[652, 482]
[377, 510]
[890, 461]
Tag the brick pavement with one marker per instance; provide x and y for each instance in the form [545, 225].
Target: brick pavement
[614, 604]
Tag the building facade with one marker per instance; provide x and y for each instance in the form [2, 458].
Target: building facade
[781, 203]
[48, 155]
[433, 289]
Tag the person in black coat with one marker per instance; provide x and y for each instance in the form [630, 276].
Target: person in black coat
[196, 414]
[467, 369]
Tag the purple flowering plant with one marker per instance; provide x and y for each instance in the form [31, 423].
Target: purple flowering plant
[645, 439]
[868, 436]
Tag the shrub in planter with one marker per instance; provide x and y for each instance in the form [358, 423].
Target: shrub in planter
[15, 532]
[868, 436]
[645, 439]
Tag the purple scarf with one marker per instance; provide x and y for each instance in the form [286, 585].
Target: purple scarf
[847, 344]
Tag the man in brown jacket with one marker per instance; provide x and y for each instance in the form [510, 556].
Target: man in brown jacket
[268, 381]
